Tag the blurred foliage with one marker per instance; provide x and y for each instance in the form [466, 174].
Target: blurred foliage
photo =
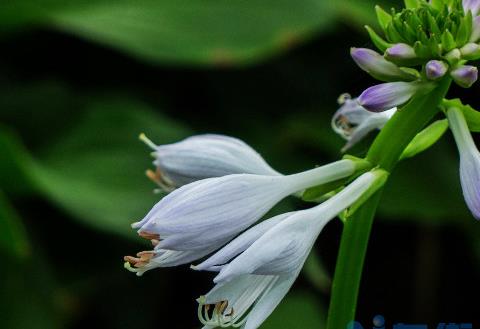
[72, 168]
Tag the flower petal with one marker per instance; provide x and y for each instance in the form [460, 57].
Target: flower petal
[269, 301]
[240, 244]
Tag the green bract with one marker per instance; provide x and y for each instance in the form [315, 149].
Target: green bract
[433, 29]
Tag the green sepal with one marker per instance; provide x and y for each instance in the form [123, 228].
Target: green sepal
[437, 4]
[411, 4]
[425, 139]
[383, 17]
[377, 40]
[464, 30]
[421, 50]
[382, 176]
[448, 41]
[472, 116]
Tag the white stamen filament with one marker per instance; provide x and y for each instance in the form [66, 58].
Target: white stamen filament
[235, 315]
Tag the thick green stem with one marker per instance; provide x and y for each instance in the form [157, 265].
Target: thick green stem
[384, 152]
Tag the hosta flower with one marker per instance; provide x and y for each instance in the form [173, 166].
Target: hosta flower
[353, 122]
[386, 96]
[204, 156]
[249, 287]
[204, 215]
[469, 160]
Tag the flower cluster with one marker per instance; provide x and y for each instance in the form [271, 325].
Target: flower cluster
[224, 190]
[220, 189]
[423, 43]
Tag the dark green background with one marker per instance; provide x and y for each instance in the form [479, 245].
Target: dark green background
[79, 80]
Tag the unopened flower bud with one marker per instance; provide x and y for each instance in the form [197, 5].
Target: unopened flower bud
[471, 51]
[465, 76]
[435, 69]
[400, 52]
[386, 96]
[453, 56]
[377, 66]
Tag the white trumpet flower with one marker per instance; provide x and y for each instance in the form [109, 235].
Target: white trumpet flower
[469, 160]
[206, 214]
[250, 286]
[203, 156]
[353, 122]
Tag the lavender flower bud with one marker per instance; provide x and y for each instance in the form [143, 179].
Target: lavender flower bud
[471, 5]
[465, 75]
[471, 51]
[385, 96]
[400, 52]
[435, 69]
[377, 66]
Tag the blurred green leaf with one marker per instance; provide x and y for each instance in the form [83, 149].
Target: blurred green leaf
[299, 310]
[15, 174]
[28, 295]
[191, 31]
[13, 238]
[96, 171]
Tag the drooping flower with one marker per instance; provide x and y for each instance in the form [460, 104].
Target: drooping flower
[435, 69]
[353, 122]
[203, 156]
[249, 287]
[465, 75]
[377, 66]
[386, 96]
[206, 214]
[469, 160]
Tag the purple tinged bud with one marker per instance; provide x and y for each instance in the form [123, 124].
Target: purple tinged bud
[436, 69]
[471, 5]
[469, 160]
[475, 36]
[471, 51]
[400, 51]
[385, 96]
[465, 75]
[377, 66]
